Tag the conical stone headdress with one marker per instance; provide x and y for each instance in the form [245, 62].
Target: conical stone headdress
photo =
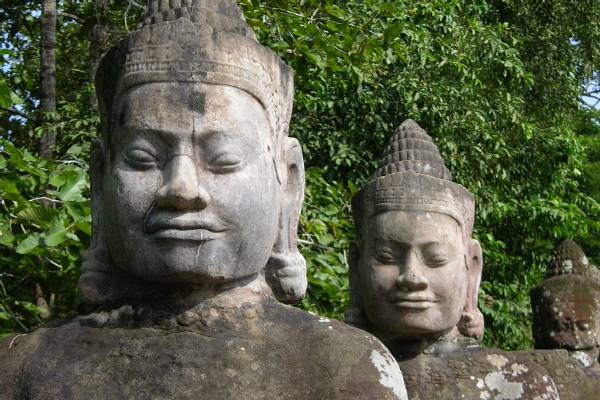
[569, 259]
[412, 177]
[197, 41]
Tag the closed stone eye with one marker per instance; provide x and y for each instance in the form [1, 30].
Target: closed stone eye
[226, 162]
[140, 158]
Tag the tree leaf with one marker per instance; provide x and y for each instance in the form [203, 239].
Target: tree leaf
[29, 243]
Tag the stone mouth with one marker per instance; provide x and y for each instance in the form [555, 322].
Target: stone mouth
[414, 300]
[190, 234]
[417, 305]
[166, 224]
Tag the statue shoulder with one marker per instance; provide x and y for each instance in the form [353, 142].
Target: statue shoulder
[476, 372]
[506, 370]
[572, 379]
[16, 353]
[358, 364]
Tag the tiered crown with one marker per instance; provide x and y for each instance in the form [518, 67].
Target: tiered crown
[412, 177]
[569, 259]
[198, 41]
[411, 149]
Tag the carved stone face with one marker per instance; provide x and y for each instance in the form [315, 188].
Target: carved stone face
[413, 275]
[567, 314]
[190, 188]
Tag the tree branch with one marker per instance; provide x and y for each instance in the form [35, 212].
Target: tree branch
[74, 17]
[17, 113]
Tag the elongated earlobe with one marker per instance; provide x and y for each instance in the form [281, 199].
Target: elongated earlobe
[285, 271]
[354, 315]
[471, 323]
[98, 284]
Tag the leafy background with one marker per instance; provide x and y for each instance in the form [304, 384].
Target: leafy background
[498, 84]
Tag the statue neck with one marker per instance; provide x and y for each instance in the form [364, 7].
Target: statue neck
[182, 296]
[248, 289]
[407, 348]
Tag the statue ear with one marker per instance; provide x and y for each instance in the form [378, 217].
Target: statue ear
[97, 283]
[471, 323]
[354, 314]
[285, 271]
[475, 270]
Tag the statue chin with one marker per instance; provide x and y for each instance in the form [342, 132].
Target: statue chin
[205, 262]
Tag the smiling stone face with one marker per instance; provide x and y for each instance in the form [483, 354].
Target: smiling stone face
[191, 189]
[413, 273]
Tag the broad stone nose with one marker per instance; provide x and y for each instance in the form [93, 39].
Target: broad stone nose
[181, 188]
[411, 273]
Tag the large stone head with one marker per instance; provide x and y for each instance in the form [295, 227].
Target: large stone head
[566, 305]
[195, 179]
[416, 271]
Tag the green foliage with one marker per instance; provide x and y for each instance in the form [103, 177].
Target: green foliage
[326, 230]
[497, 84]
[44, 228]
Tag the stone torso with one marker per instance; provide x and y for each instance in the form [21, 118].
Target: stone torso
[573, 380]
[263, 350]
[468, 371]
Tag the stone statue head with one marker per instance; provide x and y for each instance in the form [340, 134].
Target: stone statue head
[194, 179]
[416, 269]
[566, 305]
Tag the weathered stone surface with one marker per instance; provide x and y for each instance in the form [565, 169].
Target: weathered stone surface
[196, 195]
[462, 369]
[415, 276]
[566, 315]
[417, 270]
[260, 350]
[566, 305]
[574, 380]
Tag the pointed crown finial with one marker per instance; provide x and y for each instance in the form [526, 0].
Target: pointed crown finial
[413, 177]
[569, 259]
[411, 149]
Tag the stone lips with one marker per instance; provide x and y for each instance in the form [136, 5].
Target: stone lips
[198, 44]
[413, 177]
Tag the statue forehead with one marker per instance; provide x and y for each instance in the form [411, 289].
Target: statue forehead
[195, 96]
[403, 224]
[181, 105]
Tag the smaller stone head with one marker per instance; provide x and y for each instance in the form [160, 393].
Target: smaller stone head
[416, 270]
[195, 180]
[566, 305]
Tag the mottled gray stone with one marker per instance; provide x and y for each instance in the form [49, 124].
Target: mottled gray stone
[566, 315]
[574, 381]
[257, 350]
[415, 275]
[566, 305]
[196, 195]
[460, 368]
